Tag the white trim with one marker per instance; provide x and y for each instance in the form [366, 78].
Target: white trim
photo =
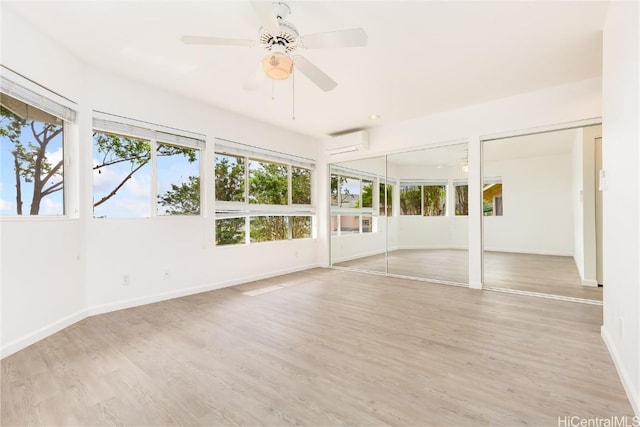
[543, 129]
[163, 296]
[627, 384]
[591, 283]
[358, 256]
[41, 333]
[528, 252]
[29, 92]
[161, 134]
[232, 148]
[543, 295]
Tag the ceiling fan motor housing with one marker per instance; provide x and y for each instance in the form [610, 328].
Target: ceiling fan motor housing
[288, 35]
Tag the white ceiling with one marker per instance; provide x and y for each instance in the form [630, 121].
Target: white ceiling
[422, 57]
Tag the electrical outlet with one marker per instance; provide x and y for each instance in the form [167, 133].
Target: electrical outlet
[125, 280]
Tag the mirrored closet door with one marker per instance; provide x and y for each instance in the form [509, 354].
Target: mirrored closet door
[403, 214]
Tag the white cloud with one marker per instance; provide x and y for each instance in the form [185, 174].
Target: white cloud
[55, 156]
[49, 206]
[7, 207]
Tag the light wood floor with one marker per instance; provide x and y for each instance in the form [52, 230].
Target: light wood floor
[326, 347]
[556, 275]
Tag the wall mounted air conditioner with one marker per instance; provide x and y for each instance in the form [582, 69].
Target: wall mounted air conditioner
[349, 142]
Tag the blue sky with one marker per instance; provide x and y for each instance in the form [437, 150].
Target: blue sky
[133, 200]
[50, 205]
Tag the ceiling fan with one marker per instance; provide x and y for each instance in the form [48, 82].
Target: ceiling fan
[281, 39]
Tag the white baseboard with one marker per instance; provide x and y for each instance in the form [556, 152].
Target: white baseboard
[37, 335]
[52, 328]
[150, 299]
[592, 283]
[632, 393]
[358, 256]
[528, 252]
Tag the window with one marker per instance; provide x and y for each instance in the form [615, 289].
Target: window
[367, 224]
[367, 194]
[410, 200]
[492, 197]
[230, 231]
[32, 159]
[259, 199]
[268, 183]
[434, 200]
[300, 227]
[300, 186]
[178, 175]
[385, 204]
[142, 172]
[462, 198]
[230, 178]
[121, 176]
[349, 224]
[353, 201]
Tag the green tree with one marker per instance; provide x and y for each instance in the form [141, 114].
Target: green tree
[229, 178]
[182, 199]
[435, 197]
[268, 183]
[230, 231]
[410, 200]
[388, 189]
[300, 186]
[462, 200]
[112, 149]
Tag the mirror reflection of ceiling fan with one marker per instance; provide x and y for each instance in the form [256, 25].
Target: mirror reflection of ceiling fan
[281, 40]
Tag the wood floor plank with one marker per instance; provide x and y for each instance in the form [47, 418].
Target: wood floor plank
[327, 347]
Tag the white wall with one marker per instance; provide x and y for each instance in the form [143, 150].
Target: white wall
[537, 206]
[621, 214]
[577, 194]
[82, 268]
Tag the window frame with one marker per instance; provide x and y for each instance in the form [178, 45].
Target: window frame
[247, 210]
[30, 93]
[156, 135]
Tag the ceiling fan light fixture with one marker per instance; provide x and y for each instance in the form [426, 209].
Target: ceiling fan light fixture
[277, 65]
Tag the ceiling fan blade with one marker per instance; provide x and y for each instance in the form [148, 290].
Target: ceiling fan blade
[353, 37]
[315, 74]
[217, 41]
[264, 10]
[255, 79]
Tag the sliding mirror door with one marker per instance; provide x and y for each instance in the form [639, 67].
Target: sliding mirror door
[540, 222]
[428, 232]
[358, 209]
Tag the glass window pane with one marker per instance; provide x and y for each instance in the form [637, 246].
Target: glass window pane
[335, 185]
[230, 231]
[334, 225]
[31, 155]
[462, 199]
[230, 179]
[385, 210]
[300, 186]
[410, 200]
[367, 194]
[178, 174]
[367, 224]
[268, 183]
[268, 228]
[121, 176]
[349, 192]
[435, 199]
[349, 224]
[300, 227]
[492, 199]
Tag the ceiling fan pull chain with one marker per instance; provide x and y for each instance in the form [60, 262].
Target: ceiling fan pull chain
[293, 93]
[273, 90]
